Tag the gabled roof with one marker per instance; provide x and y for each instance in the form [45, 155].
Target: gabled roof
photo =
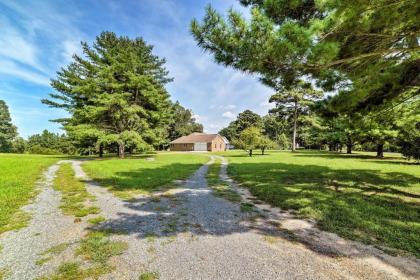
[196, 137]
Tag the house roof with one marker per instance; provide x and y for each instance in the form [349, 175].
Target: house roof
[195, 137]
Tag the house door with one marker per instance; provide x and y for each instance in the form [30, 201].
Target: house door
[200, 146]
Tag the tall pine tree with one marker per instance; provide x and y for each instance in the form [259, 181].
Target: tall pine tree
[117, 92]
[7, 130]
[293, 103]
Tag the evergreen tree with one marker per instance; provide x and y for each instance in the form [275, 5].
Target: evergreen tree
[294, 103]
[367, 49]
[118, 90]
[183, 122]
[7, 130]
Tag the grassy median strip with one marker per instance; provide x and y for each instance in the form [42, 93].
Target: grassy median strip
[18, 174]
[220, 188]
[74, 194]
[143, 175]
[96, 248]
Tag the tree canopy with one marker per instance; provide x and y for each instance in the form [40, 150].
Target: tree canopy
[367, 50]
[183, 122]
[117, 89]
[7, 130]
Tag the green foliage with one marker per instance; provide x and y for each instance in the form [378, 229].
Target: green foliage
[7, 130]
[408, 125]
[117, 90]
[249, 139]
[74, 193]
[183, 122]
[293, 105]
[367, 49]
[244, 120]
[18, 174]
[266, 143]
[48, 143]
[356, 196]
[19, 145]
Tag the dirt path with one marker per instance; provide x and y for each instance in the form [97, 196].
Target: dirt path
[187, 233]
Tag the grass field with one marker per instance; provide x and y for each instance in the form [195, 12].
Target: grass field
[142, 175]
[376, 201]
[74, 193]
[18, 174]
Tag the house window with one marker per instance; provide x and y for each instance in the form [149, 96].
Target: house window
[220, 146]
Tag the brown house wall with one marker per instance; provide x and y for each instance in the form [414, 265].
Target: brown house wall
[182, 147]
[217, 145]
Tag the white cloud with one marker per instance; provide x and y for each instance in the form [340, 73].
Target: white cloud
[13, 70]
[15, 47]
[267, 105]
[228, 115]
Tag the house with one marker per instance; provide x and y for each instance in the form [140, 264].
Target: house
[199, 142]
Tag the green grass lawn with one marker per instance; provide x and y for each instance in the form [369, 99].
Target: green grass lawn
[74, 193]
[138, 175]
[18, 174]
[376, 201]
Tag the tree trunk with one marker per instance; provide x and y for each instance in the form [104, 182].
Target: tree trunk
[380, 150]
[121, 150]
[294, 128]
[250, 153]
[101, 150]
[262, 151]
[349, 148]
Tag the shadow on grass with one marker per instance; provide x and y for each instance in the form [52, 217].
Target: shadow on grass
[356, 204]
[147, 179]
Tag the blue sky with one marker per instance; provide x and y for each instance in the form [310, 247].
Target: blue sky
[39, 37]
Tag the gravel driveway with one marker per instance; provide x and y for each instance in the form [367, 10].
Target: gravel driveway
[187, 233]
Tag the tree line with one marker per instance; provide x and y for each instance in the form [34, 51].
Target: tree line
[344, 73]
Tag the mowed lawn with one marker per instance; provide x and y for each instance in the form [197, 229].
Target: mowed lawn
[18, 174]
[142, 175]
[376, 201]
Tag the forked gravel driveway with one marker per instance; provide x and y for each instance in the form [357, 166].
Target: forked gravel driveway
[187, 233]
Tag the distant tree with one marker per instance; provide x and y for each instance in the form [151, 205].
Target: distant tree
[266, 143]
[117, 89]
[248, 119]
[19, 145]
[183, 122]
[294, 103]
[408, 125]
[378, 129]
[248, 140]
[48, 143]
[230, 132]
[277, 130]
[7, 130]
[244, 120]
